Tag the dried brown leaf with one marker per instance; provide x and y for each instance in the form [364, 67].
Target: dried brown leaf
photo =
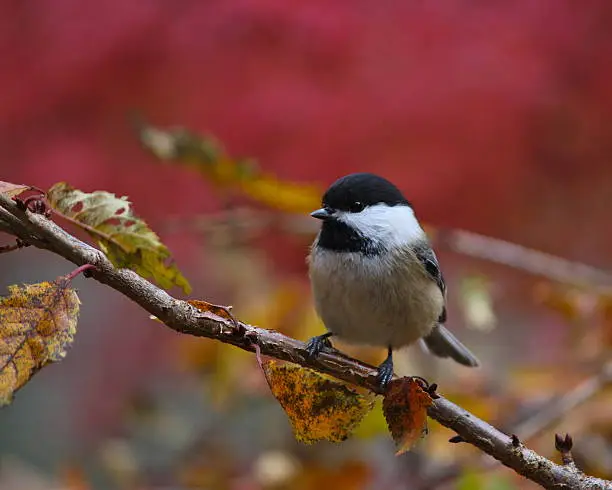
[405, 408]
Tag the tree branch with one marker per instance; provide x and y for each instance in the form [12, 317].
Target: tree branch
[184, 318]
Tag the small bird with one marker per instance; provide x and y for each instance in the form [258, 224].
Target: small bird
[374, 276]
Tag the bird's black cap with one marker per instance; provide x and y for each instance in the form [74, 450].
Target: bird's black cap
[364, 188]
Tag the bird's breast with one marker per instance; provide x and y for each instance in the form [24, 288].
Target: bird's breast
[384, 300]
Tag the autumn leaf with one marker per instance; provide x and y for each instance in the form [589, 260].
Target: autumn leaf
[37, 324]
[12, 189]
[126, 239]
[405, 408]
[318, 407]
[208, 156]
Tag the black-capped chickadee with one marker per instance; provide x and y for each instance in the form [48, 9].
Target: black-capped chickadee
[374, 277]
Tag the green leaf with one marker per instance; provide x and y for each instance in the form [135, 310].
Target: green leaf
[125, 238]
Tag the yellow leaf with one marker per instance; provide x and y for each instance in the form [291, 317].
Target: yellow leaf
[318, 407]
[405, 408]
[208, 156]
[126, 239]
[37, 324]
[12, 189]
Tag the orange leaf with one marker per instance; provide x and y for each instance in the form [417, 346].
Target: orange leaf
[405, 408]
[12, 189]
[318, 407]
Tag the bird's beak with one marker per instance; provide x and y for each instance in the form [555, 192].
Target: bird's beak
[321, 214]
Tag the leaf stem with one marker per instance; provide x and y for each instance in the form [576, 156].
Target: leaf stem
[78, 270]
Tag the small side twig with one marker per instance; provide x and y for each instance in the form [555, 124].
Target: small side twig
[564, 446]
[16, 246]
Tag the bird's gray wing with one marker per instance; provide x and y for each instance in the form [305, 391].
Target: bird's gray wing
[427, 257]
[440, 341]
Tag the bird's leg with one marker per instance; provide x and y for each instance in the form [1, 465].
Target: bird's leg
[316, 344]
[385, 370]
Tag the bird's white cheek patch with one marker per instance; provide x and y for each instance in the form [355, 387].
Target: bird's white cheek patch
[388, 225]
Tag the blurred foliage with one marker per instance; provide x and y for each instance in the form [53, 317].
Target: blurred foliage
[477, 303]
[206, 155]
[473, 480]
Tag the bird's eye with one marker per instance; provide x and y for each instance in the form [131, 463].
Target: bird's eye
[356, 207]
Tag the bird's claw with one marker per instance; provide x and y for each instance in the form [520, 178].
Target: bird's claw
[317, 344]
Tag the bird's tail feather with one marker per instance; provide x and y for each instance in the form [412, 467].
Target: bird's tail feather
[442, 343]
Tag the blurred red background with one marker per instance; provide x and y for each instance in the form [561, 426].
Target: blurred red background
[491, 116]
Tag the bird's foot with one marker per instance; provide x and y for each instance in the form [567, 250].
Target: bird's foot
[385, 371]
[317, 344]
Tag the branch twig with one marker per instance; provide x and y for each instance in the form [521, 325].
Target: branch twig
[184, 318]
[16, 246]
